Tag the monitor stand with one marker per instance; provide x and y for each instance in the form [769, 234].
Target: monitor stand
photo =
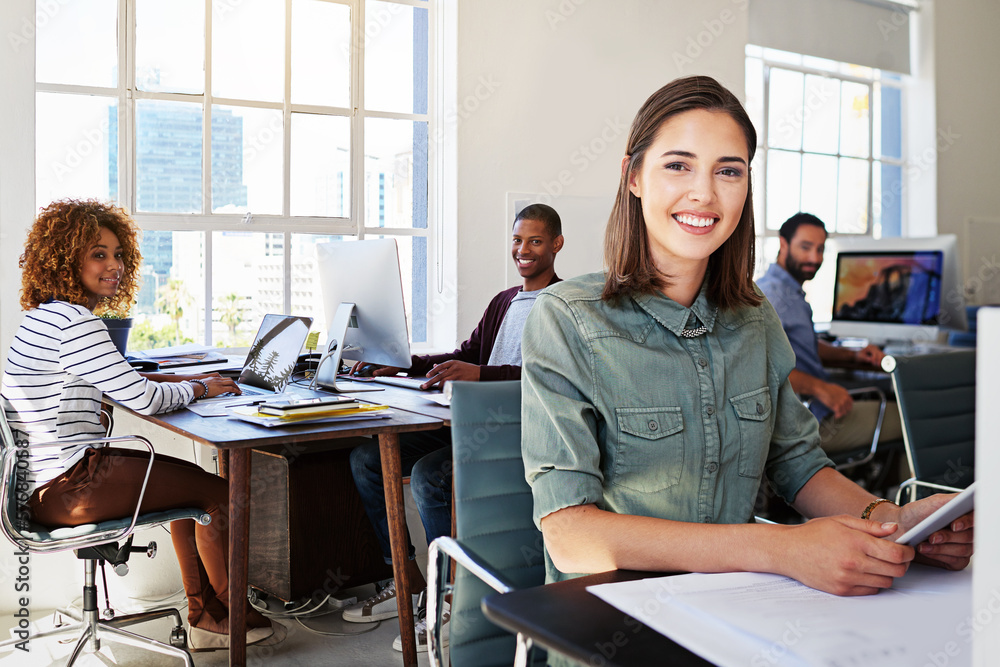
[334, 351]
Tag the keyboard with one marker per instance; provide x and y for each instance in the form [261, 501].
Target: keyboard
[401, 381]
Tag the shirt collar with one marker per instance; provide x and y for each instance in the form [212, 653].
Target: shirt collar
[780, 274]
[674, 316]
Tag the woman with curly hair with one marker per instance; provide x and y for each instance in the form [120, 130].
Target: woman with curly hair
[82, 257]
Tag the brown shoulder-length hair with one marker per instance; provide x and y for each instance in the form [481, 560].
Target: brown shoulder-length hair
[56, 246]
[630, 268]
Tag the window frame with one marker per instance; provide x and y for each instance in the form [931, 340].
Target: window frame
[768, 62]
[206, 222]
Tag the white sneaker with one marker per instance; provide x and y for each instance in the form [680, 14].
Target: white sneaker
[378, 607]
[420, 629]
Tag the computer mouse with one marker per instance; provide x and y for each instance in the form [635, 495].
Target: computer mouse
[366, 370]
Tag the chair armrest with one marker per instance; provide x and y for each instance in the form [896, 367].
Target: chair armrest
[109, 417]
[880, 396]
[913, 482]
[14, 533]
[440, 553]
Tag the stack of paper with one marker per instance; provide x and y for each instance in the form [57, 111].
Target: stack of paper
[254, 416]
[741, 619]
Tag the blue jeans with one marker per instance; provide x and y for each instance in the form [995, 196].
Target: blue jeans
[426, 457]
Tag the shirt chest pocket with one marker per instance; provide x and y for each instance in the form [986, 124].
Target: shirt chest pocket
[650, 451]
[753, 413]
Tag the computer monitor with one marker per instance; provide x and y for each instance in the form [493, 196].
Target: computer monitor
[897, 290]
[363, 299]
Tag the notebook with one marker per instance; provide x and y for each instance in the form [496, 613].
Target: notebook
[272, 356]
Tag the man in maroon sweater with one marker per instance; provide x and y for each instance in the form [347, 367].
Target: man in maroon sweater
[492, 352]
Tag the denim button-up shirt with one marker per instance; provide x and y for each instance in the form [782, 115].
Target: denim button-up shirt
[622, 411]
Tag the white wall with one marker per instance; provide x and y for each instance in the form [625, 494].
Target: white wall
[17, 142]
[968, 95]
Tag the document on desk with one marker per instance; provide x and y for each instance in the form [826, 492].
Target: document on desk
[756, 620]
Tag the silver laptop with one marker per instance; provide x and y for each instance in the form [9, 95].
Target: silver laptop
[272, 356]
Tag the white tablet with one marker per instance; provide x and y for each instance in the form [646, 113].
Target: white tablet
[954, 508]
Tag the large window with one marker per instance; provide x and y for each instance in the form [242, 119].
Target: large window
[830, 142]
[830, 138]
[239, 133]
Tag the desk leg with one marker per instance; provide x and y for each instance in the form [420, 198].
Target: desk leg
[392, 478]
[239, 528]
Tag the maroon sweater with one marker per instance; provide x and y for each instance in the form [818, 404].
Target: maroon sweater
[478, 348]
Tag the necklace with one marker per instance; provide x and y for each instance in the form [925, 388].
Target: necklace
[694, 333]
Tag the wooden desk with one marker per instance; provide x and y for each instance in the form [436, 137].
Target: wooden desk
[565, 618]
[237, 438]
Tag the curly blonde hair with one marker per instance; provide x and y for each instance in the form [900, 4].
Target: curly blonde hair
[54, 252]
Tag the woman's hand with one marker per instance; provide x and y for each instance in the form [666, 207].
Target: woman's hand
[216, 385]
[950, 548]
[843, 555]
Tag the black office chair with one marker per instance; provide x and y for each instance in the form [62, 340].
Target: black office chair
[498, 547]
[937, 404]
[93, 543]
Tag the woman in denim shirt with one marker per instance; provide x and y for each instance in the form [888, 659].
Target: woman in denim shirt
[656, 394]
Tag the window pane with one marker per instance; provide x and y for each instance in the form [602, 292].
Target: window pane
[395, 173]
[159, 27]
[887, 192]
[889, 132]
[168, 156]
[784, 127]
[819, 186]
[321, 165]
[321, 50]
[852, 197]
[75, 43]
[171, 305]
[248, 50]
[821, 114]
[783, 172]
[854, 119]
[246, 160]
[758, 180]
[76, 147]
[248, 271]
[755, 93]
[396, 57]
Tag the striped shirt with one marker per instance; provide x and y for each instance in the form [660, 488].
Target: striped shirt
[61, 362]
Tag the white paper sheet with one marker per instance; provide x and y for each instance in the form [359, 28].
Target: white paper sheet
[758, 620]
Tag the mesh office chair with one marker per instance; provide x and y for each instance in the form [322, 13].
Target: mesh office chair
[92, 543]
[937, 403]
[498, 547]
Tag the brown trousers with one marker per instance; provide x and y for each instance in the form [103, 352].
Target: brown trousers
[105, 484]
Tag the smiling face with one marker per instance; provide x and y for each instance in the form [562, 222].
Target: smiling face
[692, 185]
[102, 268]
[534, 252]
[803, 256]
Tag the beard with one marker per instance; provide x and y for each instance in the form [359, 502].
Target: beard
[801, 272]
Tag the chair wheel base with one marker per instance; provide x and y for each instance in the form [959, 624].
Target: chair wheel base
[179, 638]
